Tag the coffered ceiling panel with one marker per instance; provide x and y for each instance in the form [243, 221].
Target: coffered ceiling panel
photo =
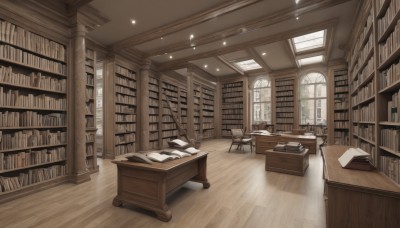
[213, 66]
[277, 55]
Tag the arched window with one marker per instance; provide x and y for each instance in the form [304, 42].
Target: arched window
[262, 101]
[313, 108]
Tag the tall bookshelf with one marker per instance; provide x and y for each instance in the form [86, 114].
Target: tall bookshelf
[154, 113]
[169, 130]
[341, 115]
[388, 71]
[232, 107]
[197, 109]
[125, 110]
[91, 154]
[183, 113]
[284, 104]
[33, 109]
[207, 113]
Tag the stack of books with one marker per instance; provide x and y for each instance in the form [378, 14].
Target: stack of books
[294, 147]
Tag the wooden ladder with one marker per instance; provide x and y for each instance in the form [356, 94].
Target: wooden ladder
[176, 119]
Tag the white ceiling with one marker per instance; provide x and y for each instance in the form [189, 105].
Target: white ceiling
[164, 18]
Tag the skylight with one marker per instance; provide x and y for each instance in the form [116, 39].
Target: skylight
[310, 60]
[309, 41]
[247, 65]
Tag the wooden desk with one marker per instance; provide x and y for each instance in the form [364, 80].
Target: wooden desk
[268, 142]
[358, 198]
[147, 185]
[286, 162]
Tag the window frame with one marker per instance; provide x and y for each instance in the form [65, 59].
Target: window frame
[268, 102]
[317, 105]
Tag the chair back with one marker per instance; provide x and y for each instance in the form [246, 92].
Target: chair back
[237, 133]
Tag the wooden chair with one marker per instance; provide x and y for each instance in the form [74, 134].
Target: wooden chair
[239, 139]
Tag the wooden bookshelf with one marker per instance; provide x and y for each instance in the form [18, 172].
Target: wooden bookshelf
[232, 107]
[207, 113]
[169, 130]
[125, 110]
[388, 71]
[284, 104]
[154, 113]
[197, 109]
[33, 112]
[363, 87]
[182, 110]
[90, 68]
[341, 115]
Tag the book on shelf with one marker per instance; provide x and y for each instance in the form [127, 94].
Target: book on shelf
[355, 158]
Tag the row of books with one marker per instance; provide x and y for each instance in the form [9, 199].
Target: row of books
[390, 75]
[127, 109]
[125, 72]
[153, 111]
[361, 38]
[121, 128]
[89, 151]
[284, 91]
[367, 131]
[170, 133]
[231, 121]
[282, 83]
[284, 127]
[153, 126]
[125, 90]
[363, 75]
[341, 124]
[11, 53]
[341, 89]
[89, 80]
[341, 83]
[364, 93]
[285, 109]
[125, 118]
[169, 126]
[153, 136]
[367, 112]
[232, 106]
[31, 119]
[10, 161]
[392, 43]
[285, 114]
[89, 122]
[285, 104]
[235, 94]
[153, 81]
[232, 100]
[17, 98]
[279, 99]
[207, 113]
[90, 137]
[391, 167]
[125, 82]
[370, 149]
[394, 107]
[125, 99]
[341, 115]
[391, 12]
[35, 80]
[284, 120]
[230, 85]
[10, 33]
[31, 138]
[390, 138]
[30, 177]
[123, 149]
[125, 138]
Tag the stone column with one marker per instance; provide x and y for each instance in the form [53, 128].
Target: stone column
[143, 108]
[79, 171]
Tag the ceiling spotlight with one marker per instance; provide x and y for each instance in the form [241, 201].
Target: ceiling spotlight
[205, 65]
[133, 22]
[297, 18]
[191, 36]
[264, 53]
[170, 56]
[217, 69]
[224, 43]
[194, 48]
[162, 38]
[297, 1]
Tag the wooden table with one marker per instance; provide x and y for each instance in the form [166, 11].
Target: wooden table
[268, 142]
[287, 162]
[357, 198]
[147, 185]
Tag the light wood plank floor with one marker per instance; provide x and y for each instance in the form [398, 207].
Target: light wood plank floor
[242, 194]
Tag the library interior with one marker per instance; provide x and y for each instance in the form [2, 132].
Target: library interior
[212, 113]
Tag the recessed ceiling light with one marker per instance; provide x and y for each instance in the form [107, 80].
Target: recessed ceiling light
[264, 53]
[205, 65]
[224, 43]
[297, 1]
[297, 18]
[217, 69]
[162, 38]
[191, 36]
[170, 56]
[133, 22]
[194, 48]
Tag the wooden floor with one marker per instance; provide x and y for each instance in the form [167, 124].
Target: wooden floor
[242, 194]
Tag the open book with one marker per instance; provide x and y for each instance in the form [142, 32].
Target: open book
[174, 153]
[191, 150]
[355, 158]
[178, 142]
[261, 132]
[158, 157]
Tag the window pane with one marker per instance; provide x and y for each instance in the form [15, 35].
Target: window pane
[262, 112]
[307, 91]
[307, 112]
[256, 95]
[321, 90]
[321, 112]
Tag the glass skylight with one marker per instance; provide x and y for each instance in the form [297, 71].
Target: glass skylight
[248, 65]
[311, 60]
[309, 41]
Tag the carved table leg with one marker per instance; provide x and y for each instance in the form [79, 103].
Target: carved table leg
[117, 202]
[164, 216]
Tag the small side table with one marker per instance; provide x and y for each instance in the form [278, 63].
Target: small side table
[286, 162]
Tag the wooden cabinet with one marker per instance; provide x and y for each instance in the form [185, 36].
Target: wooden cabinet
[357, 198]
